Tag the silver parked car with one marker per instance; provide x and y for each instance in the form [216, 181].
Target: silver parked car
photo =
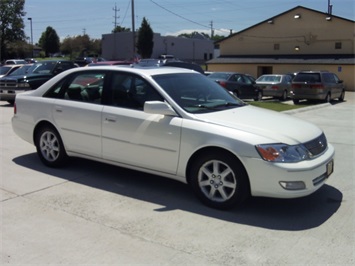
[275, 85]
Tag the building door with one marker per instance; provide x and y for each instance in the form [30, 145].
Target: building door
[263, 70]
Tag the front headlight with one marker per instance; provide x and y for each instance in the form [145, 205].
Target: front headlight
[282, 153]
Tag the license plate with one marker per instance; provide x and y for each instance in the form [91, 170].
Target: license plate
[330, 167]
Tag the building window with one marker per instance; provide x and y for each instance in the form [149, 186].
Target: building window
[338, 45]
[276, 46]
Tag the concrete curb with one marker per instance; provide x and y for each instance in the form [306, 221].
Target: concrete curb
[305, 109]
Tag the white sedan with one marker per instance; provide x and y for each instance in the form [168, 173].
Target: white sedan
[175, 123]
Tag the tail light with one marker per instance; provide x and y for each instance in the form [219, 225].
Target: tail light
[274, 87]
[317, 86]
[15, 109]
[223, 84]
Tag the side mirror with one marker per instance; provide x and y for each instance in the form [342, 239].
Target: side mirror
[158, 107]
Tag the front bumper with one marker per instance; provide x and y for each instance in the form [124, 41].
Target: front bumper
[9, 94]
[266, 177]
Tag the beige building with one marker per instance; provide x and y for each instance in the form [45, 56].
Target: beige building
[298, 39]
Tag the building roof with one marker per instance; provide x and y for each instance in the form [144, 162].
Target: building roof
[279, 15]
[282, 60]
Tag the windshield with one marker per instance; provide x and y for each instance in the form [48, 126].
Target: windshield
[42, 68]
[4, 70]
[269, 79]
[20, 71]
[219, 75]
[196, 93]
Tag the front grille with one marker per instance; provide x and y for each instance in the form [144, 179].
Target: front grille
[317, 145]
[8, 84]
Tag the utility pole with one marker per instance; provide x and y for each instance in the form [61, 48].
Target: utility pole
[133, 33]
[116, 17]
[212, 31]
[30, 19]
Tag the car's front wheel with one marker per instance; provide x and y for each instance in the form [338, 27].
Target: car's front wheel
[219, 180]
[50, 148]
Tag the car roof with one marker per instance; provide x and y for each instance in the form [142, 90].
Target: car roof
[150, 71]
[48, 61]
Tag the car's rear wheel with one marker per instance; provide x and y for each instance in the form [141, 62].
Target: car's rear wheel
[11, 102]
[50, 148]
[283, 96]
[342, 96]
[296, 101]
[259, 96]
[219, 180]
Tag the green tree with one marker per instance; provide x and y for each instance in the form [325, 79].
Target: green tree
[121, 29]
[49, 41]
[145, 40]
[11, 25]
[80, 45]
[218, 37]
[194, 34]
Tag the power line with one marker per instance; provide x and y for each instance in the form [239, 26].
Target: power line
[179, 15]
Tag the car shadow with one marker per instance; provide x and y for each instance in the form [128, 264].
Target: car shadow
[7, 105]
[276, 214]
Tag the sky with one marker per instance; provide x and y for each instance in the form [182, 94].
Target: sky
[167, 17]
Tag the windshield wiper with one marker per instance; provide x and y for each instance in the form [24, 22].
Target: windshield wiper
[227, 104]
[202, 106]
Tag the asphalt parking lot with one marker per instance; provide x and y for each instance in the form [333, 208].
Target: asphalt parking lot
[92, 213]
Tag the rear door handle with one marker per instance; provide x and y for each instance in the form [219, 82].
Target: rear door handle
[110, 119]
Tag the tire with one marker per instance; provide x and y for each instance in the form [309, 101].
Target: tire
[50, 148]
[327, 98]
[342, 96]
[219, 180]
[296, 101]
[235, 93]
[283, 96]
[11, 102]
[259, 96]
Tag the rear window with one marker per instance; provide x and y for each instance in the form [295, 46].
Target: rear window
[269, 78]
[307, 77]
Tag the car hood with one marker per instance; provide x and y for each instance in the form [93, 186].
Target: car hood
[271, 125]
[28, 76]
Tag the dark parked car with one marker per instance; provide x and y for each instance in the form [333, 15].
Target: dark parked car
[243, 86]
[35, 76]
[317, 85]
[83, 61]
[275, 85]
[187, 65]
